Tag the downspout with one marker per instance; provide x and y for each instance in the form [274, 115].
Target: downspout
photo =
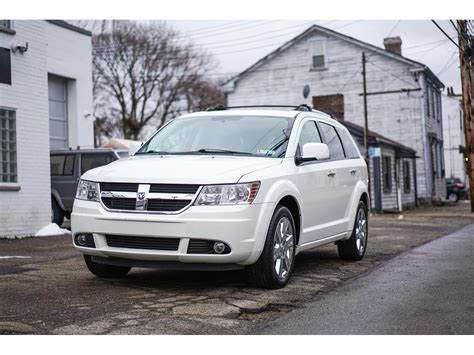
[423, 130]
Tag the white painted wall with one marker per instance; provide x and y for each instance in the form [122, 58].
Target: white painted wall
[280, 80]
[25, 211]
[453, 137]
[70, 55]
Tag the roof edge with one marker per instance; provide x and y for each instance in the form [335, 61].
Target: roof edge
[68, 26]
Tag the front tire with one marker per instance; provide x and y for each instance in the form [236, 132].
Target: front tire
[105, 271]
[453, 197]
[274, 267]
[354, 248]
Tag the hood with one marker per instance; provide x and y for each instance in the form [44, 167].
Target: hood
[180, 169]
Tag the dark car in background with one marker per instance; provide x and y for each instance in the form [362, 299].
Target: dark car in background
[67, 166]
[456, 189]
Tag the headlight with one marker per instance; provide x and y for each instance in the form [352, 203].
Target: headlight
[228, 194]
[87, 190]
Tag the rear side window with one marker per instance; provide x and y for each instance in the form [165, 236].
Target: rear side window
[309, 134]
[336, 150]
[351, 150]
[91, 161]
[62, 164]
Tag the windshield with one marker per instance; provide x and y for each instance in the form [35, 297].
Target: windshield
[262, 136]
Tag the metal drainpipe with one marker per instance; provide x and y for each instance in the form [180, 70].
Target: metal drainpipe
[423, 129]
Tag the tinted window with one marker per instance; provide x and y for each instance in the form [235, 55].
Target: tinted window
[336, 151]
[91, 161]
[62, 164]
[351, 150]
[309, 134]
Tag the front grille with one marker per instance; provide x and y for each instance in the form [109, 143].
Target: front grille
[119, 203]
[167, 205]
[136, 242]
[121, 196]
[174, 188]
[118, 186]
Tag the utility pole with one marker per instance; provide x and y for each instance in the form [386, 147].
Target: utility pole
[466, 61]
[366, 121]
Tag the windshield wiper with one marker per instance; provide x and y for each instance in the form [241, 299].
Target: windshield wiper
[222, 151]
[161, 152]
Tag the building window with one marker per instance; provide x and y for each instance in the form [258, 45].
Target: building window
[406, 177]
[432, 101]
[8, 163]
[387, 173]
[333, 104]
[6, 24]
[428, 102]
[318, 53]
[5, 66]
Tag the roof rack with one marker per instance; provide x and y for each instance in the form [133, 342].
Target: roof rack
[302, 107]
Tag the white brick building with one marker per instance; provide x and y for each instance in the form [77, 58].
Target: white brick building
[45, 103]
[408, 112]
[454, 137]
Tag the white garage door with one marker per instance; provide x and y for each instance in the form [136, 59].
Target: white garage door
[58, 128]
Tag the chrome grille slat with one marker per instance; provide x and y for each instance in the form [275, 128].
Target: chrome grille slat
[160, 198]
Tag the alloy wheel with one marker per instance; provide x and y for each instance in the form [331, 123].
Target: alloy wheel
[283, 248]
[361, 231]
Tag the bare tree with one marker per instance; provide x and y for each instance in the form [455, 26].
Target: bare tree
[142, 76]
[203, 94]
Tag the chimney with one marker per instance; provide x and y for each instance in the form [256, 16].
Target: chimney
[393, 44]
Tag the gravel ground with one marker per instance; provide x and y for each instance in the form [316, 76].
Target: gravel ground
[49, 290]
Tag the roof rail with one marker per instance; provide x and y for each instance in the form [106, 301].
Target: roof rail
[302, 107]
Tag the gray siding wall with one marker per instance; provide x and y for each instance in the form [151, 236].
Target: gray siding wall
[280, 80]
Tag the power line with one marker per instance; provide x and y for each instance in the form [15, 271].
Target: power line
[390, 73]
[260, 34]
[439, 27]
[448, 63]
[393, 28]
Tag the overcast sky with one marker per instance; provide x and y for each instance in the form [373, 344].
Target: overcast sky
[236, 45]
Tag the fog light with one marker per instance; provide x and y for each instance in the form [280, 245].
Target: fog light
[219, 247]
[81, 239]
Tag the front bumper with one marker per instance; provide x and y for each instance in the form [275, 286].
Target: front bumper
[242, 227]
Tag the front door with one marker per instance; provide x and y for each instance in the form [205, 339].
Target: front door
[317, 187]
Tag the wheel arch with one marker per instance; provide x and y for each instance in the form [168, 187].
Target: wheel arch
[57, 197]
[290, 202]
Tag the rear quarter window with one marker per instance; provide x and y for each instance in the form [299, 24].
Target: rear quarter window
[91, 161]
[62, 164]
[351, 150]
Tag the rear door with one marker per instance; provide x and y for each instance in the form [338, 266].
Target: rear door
[63, 177]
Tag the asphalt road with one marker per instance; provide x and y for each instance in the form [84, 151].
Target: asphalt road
[428, 290]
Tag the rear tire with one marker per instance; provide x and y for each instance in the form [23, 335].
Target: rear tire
[57, 214]
[105, 271]
[275, 265]
[354, 248]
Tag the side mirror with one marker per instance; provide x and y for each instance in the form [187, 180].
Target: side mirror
[133, 148]
[314, 151]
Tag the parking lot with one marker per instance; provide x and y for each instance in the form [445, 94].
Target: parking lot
[45, 288]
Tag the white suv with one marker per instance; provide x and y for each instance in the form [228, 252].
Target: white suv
[224, 189]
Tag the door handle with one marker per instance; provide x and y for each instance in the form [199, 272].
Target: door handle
[331, 174]
[353, 171]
